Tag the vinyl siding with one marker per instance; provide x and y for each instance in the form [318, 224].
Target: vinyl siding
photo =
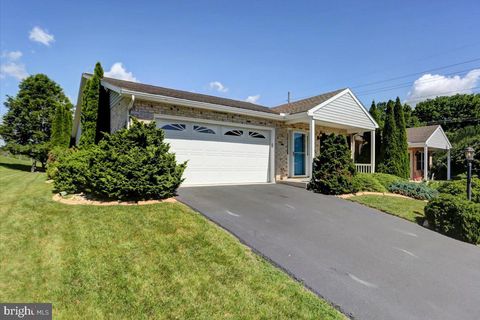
[345, 110]
[438, 140]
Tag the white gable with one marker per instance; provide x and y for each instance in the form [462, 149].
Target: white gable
[438, 139]
[346, 110]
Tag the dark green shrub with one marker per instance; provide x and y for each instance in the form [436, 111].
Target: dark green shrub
[367, 182]
[54, 157]
[73, 171]
[459, 188]
[133, 164]
[387, 179]
[414, 190]
[455, 217]
[333, 168]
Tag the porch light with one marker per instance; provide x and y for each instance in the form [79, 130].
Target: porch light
[469, 153]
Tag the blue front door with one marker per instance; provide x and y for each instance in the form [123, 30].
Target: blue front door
[299, 153]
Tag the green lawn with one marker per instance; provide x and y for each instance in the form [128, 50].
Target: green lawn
[410, 209]
[160, 261]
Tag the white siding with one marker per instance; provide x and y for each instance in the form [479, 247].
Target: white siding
[346, 111]
[114, 98]
[438, 140]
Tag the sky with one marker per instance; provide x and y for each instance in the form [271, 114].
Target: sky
[256, 51]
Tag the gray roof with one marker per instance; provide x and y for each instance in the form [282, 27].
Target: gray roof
[306, 104]
[146, 88]
[420, 134]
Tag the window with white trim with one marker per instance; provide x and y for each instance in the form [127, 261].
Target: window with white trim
[203, 129]
[255, 134]
[235, 133]
[175, 127]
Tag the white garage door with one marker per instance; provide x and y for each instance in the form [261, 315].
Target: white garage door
[219, 154]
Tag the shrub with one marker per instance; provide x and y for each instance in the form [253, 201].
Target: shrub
[131, 164]
[367, 182]
[72, 171]
[455, 217]
[414, 190]
[387, 179]
[333, 168]
[54, 157]
[459, 188]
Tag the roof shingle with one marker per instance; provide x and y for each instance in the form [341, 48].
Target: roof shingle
[145, 88]
[420, 134]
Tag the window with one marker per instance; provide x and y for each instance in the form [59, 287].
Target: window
[203, 129]
[174, 127]
[236, 133]
[254, 134]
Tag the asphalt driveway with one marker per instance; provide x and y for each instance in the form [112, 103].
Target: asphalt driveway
[370, 264]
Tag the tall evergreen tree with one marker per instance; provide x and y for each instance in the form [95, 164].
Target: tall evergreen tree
[90, 102]
[389, 150]
[27, 125]
[376, 115]
[402, 144]
[61, 126]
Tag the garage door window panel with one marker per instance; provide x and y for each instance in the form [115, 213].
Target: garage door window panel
[203, 129]
[234, 133]
[174, 127]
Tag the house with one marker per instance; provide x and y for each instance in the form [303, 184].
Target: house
[228, 141]
[422, 142]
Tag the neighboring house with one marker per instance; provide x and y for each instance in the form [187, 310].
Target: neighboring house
[229, 141]
[422, 142]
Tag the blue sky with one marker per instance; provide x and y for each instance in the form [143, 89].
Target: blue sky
[258, 50]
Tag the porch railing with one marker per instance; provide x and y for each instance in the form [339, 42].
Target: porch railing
[363, 167]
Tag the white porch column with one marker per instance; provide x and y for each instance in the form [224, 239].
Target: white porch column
[372, 150]
[311, 154]
[425, 163]
[352, 146]
[448, 164]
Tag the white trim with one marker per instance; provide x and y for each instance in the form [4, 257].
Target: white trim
[291, 160]
[111, 87]
[416, 145]
[338, 95]
[78, 108]
[203, 105]
[444, 135]
[271, 176]
[350, 129]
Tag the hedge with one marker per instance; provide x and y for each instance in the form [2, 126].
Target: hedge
[459, 188]
[414, 190]
[367, 182]
[455, 217]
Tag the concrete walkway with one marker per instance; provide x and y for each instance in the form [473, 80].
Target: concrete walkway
[370, 264]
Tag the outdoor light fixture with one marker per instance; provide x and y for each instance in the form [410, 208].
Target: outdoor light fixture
[469, 153]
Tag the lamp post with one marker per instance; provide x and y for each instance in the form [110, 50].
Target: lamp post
[469, 152]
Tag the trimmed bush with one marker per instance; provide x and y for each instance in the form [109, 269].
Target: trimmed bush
[414, 190]
[455, 217]
[459, 188]
[367, 182]
[133, 164]
[333, 168]
[54, 157]
[386, 179]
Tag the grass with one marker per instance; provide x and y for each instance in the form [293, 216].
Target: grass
[160, 261]
[410, 209]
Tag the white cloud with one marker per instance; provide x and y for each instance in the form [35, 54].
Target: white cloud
[217, 85]
[37, 34]
[13, 69]
[430, 86]
[118, 71]
[253, 99]
[12, 55]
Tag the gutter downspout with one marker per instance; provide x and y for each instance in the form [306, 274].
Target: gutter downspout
[130, 106]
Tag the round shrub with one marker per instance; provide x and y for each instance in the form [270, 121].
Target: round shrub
[414, 190]
[459, 188]
[131, 164]
[333, 168]
[455, 217]
[367, 182]
[387, 179]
